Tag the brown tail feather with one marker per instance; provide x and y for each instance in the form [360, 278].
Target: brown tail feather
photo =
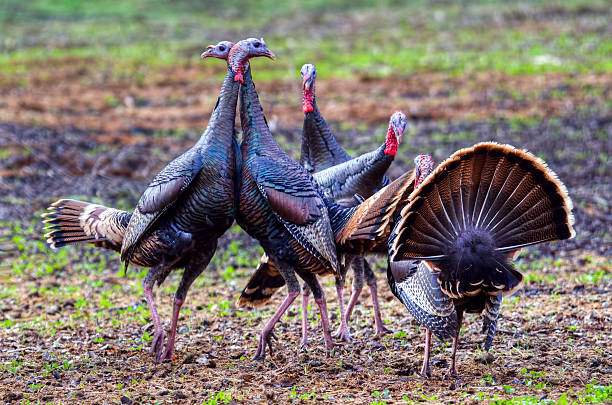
[373, 220]
[262, 285]
[72, 222]
[475, 211]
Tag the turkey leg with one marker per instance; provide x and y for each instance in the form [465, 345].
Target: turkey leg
[425, 370]
[343, 332]
[371, 280]
[157, 343]
[293, 290]
[305, 294]
[319, 296]
[452, 371]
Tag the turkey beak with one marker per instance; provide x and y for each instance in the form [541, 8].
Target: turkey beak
[207, 52]
[398, 133]
[307, 82]
[268, 53]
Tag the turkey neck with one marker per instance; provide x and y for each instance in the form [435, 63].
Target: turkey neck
[220, 129]
[362, 175]
[256, 136]
[318, 141]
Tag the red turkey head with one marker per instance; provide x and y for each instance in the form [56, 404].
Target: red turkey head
[397, 125]
[220, 51]
[309, 74]
[244, 50]
[423, 166]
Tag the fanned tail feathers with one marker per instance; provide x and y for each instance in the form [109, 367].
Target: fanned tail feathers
[475, 211]
[71, 222]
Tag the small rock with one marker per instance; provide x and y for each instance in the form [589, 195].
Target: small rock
[180, 395]
[286, 382]
[53, 309]
[315, 363]
[13, 396]
[376, 346]
[125, 400]
[485, 358]
[594, 363]
[56, 374]
[183, 329]
[203, 360]
[440, 363]
[162, 393]
[189, 359]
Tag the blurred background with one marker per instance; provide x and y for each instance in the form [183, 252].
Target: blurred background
[89, 88]
[97, 96]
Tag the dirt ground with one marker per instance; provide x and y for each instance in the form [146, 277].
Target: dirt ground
[73, 330]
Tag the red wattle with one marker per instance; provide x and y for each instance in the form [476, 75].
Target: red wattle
[390, 143]
[238, 76]
[308, 100]
[391, 149]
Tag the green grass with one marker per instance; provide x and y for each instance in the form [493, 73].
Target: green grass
[372, 39]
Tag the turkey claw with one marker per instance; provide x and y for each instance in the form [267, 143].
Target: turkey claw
[264, 340]
[425, 373]
[451, 374]
[168, 355]
[382, 331]
[344, 335]
[157, 345]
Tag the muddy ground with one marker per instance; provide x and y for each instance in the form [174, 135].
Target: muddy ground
[74, 330]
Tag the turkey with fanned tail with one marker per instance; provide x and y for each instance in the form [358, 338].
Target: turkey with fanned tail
[450, 251]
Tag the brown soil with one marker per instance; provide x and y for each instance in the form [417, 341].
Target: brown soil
[74, 335]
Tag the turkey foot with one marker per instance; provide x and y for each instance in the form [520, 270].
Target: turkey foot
[157, 344]
[329, 343]
[266, 333]
[304, 343]
[343, 331]
[343, 334]
[264, 340]
[451, 373]
[381, 331]
[168, 353]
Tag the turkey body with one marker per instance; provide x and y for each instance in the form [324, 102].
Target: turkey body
[178, 219]
[281, 206]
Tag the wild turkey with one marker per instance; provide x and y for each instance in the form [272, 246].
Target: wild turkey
[464, 222]
[362, 177]
[182, 213]
[282, 207]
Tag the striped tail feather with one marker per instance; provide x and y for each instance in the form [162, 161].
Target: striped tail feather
[373, 220]
[262, 285]
[71, 222]
[475, 211]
